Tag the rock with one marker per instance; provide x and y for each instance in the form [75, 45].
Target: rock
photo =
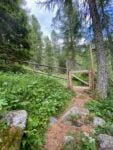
[52, 120]
[97, 121]
[77, 123]
[17, 118]
[11, 136]
[68, 123]
[68, 139]
[105, 142]
[75, 111]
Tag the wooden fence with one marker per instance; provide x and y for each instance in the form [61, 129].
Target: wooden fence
[70, 73]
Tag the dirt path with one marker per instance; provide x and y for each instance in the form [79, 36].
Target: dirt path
[55, 135]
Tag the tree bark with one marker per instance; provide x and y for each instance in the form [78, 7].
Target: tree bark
[102, 79]
[111, 51]
[111, 48]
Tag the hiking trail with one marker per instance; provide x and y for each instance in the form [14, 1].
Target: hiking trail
[56, 132]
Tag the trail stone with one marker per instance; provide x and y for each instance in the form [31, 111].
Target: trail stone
[17, 118]
[97, 121]
[11, 136]
[52, 120]
[75, 111]
[105, 142]
[68, 139]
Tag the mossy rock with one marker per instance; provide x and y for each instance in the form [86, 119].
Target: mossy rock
[10, 138]
[11, 135]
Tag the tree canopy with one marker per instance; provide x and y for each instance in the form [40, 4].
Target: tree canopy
[14, 31]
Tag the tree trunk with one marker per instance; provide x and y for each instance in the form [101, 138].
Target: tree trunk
[111, 51]
[111, 48]
[102, 80]
[72, 49]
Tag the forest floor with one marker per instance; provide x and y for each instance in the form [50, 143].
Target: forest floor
[56, 132]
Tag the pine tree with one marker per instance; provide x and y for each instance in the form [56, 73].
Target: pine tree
[69, 25]
[36, 40]
[14, 31]
[48, 52]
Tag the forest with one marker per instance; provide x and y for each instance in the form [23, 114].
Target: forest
[56, 89]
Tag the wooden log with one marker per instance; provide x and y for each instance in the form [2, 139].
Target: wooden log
[86, 83]
[80, 71]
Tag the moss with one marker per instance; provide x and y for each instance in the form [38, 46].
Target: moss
[11, 138]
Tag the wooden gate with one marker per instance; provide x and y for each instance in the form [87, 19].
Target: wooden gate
[90, 84]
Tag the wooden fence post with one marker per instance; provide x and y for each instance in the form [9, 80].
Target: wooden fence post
[69, 84]
[91, 72]
[69, 74]
[34, 67]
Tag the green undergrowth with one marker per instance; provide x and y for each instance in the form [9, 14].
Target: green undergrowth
[40, 96]
[103, 109]
[80, 141]
[13, 68]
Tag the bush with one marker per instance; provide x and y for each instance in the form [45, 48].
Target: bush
[40, 96]
[12, 68]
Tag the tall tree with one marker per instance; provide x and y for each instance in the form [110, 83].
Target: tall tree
[55, 47]
[107, 23]
[48, 54]
[36, 40]
[55, 43]
[69, 25]
[102, 79]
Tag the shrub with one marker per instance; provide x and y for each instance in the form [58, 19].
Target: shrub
[12, 68]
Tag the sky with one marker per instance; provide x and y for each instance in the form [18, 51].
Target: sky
[43, 15]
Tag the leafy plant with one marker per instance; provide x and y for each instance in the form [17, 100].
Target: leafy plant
[40, 96]
[106, 129]
[102, 109]
[3, 102]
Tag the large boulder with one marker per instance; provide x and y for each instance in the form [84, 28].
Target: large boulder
[105, 142]
[75, 111]
[12, 135]
[97, 121]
